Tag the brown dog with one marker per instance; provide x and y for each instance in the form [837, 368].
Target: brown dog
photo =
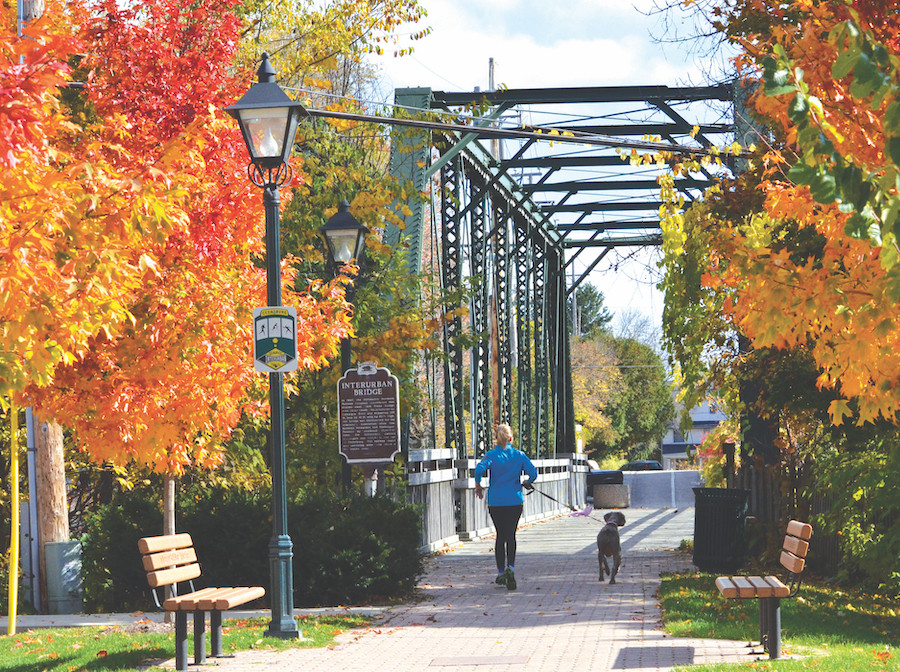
[608, 545]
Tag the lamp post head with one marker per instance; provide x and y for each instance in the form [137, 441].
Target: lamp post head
[344, 235]
[268, 119]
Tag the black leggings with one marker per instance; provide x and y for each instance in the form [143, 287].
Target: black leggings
[506, 519]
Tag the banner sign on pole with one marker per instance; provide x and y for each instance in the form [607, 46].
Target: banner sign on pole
[368, 414]
[275, 339]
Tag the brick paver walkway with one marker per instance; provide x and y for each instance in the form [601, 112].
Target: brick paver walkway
[560, 618]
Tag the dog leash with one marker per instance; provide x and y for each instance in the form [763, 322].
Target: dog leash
[552, 499]
[587, 514]
[569, 506]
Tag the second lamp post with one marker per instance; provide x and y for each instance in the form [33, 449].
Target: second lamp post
[345, 238]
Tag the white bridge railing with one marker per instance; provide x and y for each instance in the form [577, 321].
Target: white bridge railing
[444, 488]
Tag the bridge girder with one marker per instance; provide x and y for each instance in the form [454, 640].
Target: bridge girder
[508, 221]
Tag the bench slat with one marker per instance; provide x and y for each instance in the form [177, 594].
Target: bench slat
[188, 601]
[726, 587]
[248, 595]
[208, 603]
[762, 587]
[780, 589]
[166, 542]
[800, 530]
[192, 601]
[796, 546]
[231, 597]
[164, 577]
[745, 588]
[792, 563]
[181, 556]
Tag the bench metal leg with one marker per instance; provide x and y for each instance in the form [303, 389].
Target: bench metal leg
[215, 633]
[763, 621]
[181, 641]
[199, 637]
[773, 623]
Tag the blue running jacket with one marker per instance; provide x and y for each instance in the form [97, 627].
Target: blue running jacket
[506, 466]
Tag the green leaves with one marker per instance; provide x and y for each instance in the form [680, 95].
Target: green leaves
[821, 183]
[892, 147]
[867, 78]
[776, 75]
[854, 189]
[891, 121]
[845, 63]
[824, 190]
[867, 60]
[798, 111]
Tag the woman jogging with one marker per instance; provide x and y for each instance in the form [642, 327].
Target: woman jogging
[506, 465]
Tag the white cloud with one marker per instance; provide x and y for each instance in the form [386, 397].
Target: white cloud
[547, 44]
[536, 44]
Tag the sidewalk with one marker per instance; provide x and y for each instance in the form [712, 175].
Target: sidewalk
[560, 618]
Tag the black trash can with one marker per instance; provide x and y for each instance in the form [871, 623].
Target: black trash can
[719, 525]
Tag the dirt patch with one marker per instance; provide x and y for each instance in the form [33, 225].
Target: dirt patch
[145, 627]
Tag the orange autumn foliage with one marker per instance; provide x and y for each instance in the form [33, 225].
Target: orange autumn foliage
[836, 293]
[69, 237]
[165, 380]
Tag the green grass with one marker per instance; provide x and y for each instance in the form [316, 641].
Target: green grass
[827, 628]
[102, 649]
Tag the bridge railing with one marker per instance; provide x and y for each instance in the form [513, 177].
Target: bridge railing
[444, 488]
[430, 478]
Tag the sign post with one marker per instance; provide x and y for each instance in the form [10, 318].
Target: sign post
[368, 415]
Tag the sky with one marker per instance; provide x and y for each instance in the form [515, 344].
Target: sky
[540, 43]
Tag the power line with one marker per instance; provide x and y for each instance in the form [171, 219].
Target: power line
[622, 366]
[493, 132]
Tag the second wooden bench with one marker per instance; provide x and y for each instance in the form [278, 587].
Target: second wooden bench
[770, 590]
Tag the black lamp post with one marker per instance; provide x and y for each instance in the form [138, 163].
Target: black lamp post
[268, 121]
[345, 238]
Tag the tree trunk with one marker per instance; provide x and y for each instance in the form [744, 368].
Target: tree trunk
[169, 505]
[169, 527]
[50, 493]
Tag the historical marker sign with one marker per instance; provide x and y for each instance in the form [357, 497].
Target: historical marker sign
[275, 339]
[368, 414]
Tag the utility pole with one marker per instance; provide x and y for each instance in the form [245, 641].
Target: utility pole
[495, 142]
[52, 504]
[50, 473]
[492, 303]
[28, 10]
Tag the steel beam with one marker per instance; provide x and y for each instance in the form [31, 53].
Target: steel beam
[451, 272]
[480, 354]
[585, 94]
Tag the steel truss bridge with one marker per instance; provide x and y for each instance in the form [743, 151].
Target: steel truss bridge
[512, 215]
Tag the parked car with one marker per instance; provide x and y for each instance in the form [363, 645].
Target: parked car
[642, 465]
[605, 477]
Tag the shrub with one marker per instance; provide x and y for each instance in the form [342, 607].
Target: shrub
[4, 582]
[113, 576]
[231, 529]
[353, 551]
[345, 551]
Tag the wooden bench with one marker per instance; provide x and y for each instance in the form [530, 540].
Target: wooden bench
[169, 561]
[770, 590]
